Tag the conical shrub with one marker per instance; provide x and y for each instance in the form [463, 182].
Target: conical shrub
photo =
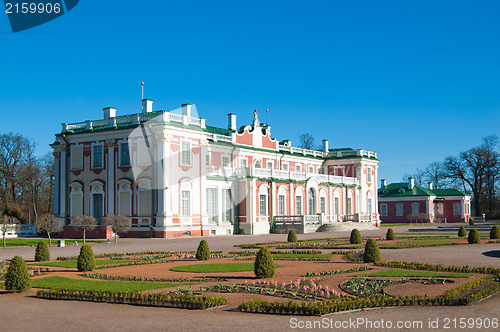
[264, 264]
[17, 278]
[495, 232]
[292, 236]
[462, 232]
[86, 259]
[203, 252]
[471, 222]
[355, 237]
[474, 236]
[372, 252]
[390, 234]
[42, 252]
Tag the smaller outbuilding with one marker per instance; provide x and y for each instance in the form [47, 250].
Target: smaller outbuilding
[408, 202]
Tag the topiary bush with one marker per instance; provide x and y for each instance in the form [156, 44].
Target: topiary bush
[390, 234]
[462, 232]
[42, 252]
[471, 222]
[292, 236]
[372, 252]
[355, 237]
[474, 236]
[203, 252]
[17, 278]
[86, 259]
[495, 232]
[264, 264]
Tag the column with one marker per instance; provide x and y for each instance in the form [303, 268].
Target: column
[162, 180]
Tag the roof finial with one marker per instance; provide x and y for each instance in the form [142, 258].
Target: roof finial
[256, 122]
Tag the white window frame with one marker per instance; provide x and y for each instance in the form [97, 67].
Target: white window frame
[284, 166]
[186, 212]
[93, 157]
[212, 218]
[225, 162]
[298, 167]
[183, 157]
[262, 205]
[208, 160]
[281, 205]
[413, 205]
[398, 213]
[311, 169]
[322, 204]
[259, 163]
[298, 207]
[269, 163]
[383, 210]
[227, 211]
[243, 162]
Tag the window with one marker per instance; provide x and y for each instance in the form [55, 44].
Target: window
[281, 205]
[285, 167]
[207, 160]
[322, 205]
[97, 161]
[226, 205]
[124, 202]
[124, 155]
[383, 209]
[270, 164]
[258, 164]
[262, 205]
[211, 204]
[186, 204]
[243, 162]
[457, 209]
[298, 205]
[311, 169]
[97, 207]
[312, 202]
[337, 207]
[369, 206]
[185, 153]
[399, 210]
[349, 200]
[415, 208]
[297, 168]
[144, 203]
[225, 161]
[368, 175]
[76, 157]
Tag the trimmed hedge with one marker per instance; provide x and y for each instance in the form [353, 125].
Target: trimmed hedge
[42, 252]
[17, 278]
[86, 259]
[462, 232]
[474, 236]
[145, 299]
[495, 232]
[372, 252]
[203, 252]
[355, 237]
[439, 268]
[264, 264]
[390, 234]
[292, 236]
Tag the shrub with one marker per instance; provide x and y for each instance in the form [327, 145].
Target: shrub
[17, 278]
[495, 232]
[203, 252]
[471, 222]
[474, 236]
[264, 264]
[462, 232]
[292, 236]
[372, 252]
[42, 252]
[390, 234]
[355, 237]
[86, 259]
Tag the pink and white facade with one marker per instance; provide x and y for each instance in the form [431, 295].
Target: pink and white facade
[188, 178]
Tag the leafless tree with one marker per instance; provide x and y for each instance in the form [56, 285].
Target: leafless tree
[47, 223]
[119, 224]
[11, 216]
[435, 172]
[306, 141]
[85, 223]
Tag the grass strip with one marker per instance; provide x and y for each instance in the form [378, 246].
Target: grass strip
[416, 274]
[72, 263]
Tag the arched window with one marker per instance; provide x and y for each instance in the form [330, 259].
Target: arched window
[258, 164]
[312, 202]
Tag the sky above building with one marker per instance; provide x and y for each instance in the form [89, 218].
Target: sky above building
[414, 81]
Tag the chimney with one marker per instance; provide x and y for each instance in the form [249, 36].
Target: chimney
[109, 112]
[186, 109]
[325, 145]
[431, 186]
[383, 183]
[411, 183]
[147, 106]
[231, 121]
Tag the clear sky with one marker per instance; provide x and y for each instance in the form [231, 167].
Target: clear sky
[415, 81]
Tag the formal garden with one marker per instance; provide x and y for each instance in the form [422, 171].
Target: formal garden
[293, 277]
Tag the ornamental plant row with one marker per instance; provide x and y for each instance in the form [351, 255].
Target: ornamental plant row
[150, 299]
[441, 268]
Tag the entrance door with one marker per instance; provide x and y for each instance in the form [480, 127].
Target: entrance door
[97, 207]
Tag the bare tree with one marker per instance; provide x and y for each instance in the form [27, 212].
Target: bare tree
[47, 223]
[306, 141]
[119, 224]
[435, 172]
[85, 223]
[9, 219]
[418, 177]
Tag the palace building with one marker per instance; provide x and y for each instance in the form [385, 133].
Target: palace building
[174, 175]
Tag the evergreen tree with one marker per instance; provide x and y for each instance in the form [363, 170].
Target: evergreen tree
[292, 236]
[42, 252]
[264, 264]
[390, 234]
[355, 237]
[474, 236]
[372, 252]
[462, 232]
[495, 232]
[203, 252]
[86, 259]
[17, 278]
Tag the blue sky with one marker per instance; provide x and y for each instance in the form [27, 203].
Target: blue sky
[415, 81]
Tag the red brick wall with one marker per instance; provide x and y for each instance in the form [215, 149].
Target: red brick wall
[100, 232]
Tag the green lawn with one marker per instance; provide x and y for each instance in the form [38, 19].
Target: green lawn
[436, 233]
[396, 224]
[72, 263]
[22, 242]
[116, 286]
[417, 274]
[211, 268]
[302, 255]
[429, 241]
